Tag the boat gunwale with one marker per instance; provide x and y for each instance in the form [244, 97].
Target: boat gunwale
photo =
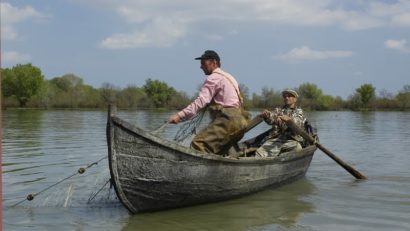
[167, 144]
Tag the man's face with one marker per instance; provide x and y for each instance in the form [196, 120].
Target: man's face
[289, 100]
[208, 65]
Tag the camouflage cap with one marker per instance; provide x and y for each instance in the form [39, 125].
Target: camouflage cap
[290, 91]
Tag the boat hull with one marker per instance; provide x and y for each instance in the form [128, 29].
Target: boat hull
[150, 173]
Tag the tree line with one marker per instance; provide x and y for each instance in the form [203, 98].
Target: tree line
[24, 85]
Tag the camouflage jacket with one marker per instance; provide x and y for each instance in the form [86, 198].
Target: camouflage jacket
[280, 128]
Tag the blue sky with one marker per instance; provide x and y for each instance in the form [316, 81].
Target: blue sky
[337, 45]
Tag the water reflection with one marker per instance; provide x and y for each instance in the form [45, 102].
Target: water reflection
[42, 147]
[364, 123]
[282, 206]
[20, 131]
[22, 119]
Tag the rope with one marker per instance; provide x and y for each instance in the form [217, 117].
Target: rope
[93, 196]
[79, 171]
[160, 128]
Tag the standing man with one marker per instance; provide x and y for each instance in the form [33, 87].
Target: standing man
[284, 139]
[220, 92]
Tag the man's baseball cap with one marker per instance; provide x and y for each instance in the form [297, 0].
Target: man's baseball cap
[209, 54]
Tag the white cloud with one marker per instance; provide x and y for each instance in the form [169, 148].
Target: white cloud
[13, 57]
[10, 16]
[399, 45]
[13, 14]
[190, 15]
[162, 33]
[396, 14]
[401, 20]
[355, 21]
[306, 53]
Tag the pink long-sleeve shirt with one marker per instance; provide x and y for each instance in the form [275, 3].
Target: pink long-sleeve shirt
[216, 87]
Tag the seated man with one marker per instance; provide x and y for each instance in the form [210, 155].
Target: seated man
[283, 138]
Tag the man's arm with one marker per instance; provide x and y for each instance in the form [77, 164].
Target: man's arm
[205, 96]
[271, 117]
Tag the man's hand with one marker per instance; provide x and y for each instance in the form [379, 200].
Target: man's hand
[284, 118]
[265, 114]
[174, 119]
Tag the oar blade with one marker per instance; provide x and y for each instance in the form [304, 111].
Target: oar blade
[311, 140]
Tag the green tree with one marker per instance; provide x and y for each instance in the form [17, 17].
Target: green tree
[159, 92]
[366, 93]
[90, 98]
[67, 82]
[403, 98]
[309, 91]
[245, 94]
[23, 81]
[354, 102]
[385, 100]
[338, 103]
[71, 91]
[132, 97]
[55, 96]
[256, 101]
[270, 98]
[42, 97]
[310, 94]
[109, 93]
[179, 100]
[325, 102]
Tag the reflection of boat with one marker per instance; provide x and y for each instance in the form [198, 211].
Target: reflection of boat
[272, 209]
[150, 173]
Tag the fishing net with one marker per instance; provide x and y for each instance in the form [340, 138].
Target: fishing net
[189, 127]
[91, 189]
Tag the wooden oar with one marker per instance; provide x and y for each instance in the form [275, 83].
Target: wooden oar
[236, 152]
[311, 140]
[252, 123]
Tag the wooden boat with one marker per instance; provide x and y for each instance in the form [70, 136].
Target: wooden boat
[150, 173]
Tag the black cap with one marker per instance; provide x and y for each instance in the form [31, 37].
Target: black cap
[209, 54]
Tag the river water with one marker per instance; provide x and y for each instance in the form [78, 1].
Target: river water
[41, 148]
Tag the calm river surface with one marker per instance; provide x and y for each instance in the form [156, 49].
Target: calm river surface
[40, 148]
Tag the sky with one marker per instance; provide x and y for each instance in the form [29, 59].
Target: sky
[336, 45]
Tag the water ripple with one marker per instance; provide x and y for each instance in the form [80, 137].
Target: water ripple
[41, 148]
